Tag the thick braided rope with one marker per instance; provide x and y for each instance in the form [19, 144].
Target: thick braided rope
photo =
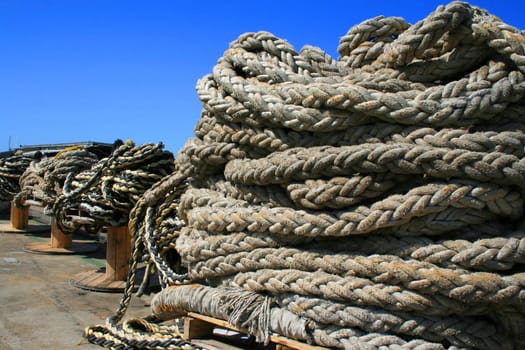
[11, 169]
[338, 192]
[426, 35]
[280, 139]
[110, 188]
[450, 104]
[173, 302]
[103, 334]
[392, 211]
[460, 331]
[423, 278]
[111, 332]
[137, 334]
[44, 179]
[260, 170]
[235, 305]
[489, 254]
[418, 276]
[441, 163]
[363, 292]
[389, 180]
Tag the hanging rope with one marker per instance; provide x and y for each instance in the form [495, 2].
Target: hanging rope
[377, 198]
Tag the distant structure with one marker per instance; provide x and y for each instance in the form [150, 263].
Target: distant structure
[99, 148]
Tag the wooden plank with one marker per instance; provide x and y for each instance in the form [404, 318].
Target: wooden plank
[212, 344]
[216, 321]
[286, 343]
[282, 347]
[290, 344]
[195, 328]
[90, 278]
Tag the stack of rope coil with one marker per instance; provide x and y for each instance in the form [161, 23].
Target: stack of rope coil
[11, 168]
[373, 202]
[106, 192]
[44, 178]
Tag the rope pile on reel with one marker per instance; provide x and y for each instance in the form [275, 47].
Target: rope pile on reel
[44, 177]
[106, 192]
[11, 169]
[375, 200]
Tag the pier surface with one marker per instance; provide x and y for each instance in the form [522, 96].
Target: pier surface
[39, 308]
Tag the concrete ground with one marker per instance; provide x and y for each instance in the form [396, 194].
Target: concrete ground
[39, 308]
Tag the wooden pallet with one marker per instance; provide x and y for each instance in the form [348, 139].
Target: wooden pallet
[203, 331]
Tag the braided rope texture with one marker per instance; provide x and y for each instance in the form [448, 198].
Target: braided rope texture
[378, 197]
[44, 177]
[107, 190]
[11, 169]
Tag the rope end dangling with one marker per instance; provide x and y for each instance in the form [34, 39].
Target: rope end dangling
[249, 310]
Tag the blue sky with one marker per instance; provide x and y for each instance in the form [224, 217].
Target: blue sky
[98, 70]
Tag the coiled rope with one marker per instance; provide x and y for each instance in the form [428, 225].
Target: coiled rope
[11, 169]
[44, 178]
[377, 197]
[106, 191]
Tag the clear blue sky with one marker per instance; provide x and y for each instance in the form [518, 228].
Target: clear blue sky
[98, 70]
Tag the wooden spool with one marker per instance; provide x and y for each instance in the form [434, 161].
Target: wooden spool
[19, 216]
[112, 278]
[60, 243]
[19, 221]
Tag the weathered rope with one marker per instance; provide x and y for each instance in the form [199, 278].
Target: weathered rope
[235, 305]
[107, 191]
[11, 169]
[415, 275]
[280, 139]
[362, 292]
[474, 332]
[378, 197]
[145, 335]
[489, 254]
[392, 211]
[299, 163]
[44, 178]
